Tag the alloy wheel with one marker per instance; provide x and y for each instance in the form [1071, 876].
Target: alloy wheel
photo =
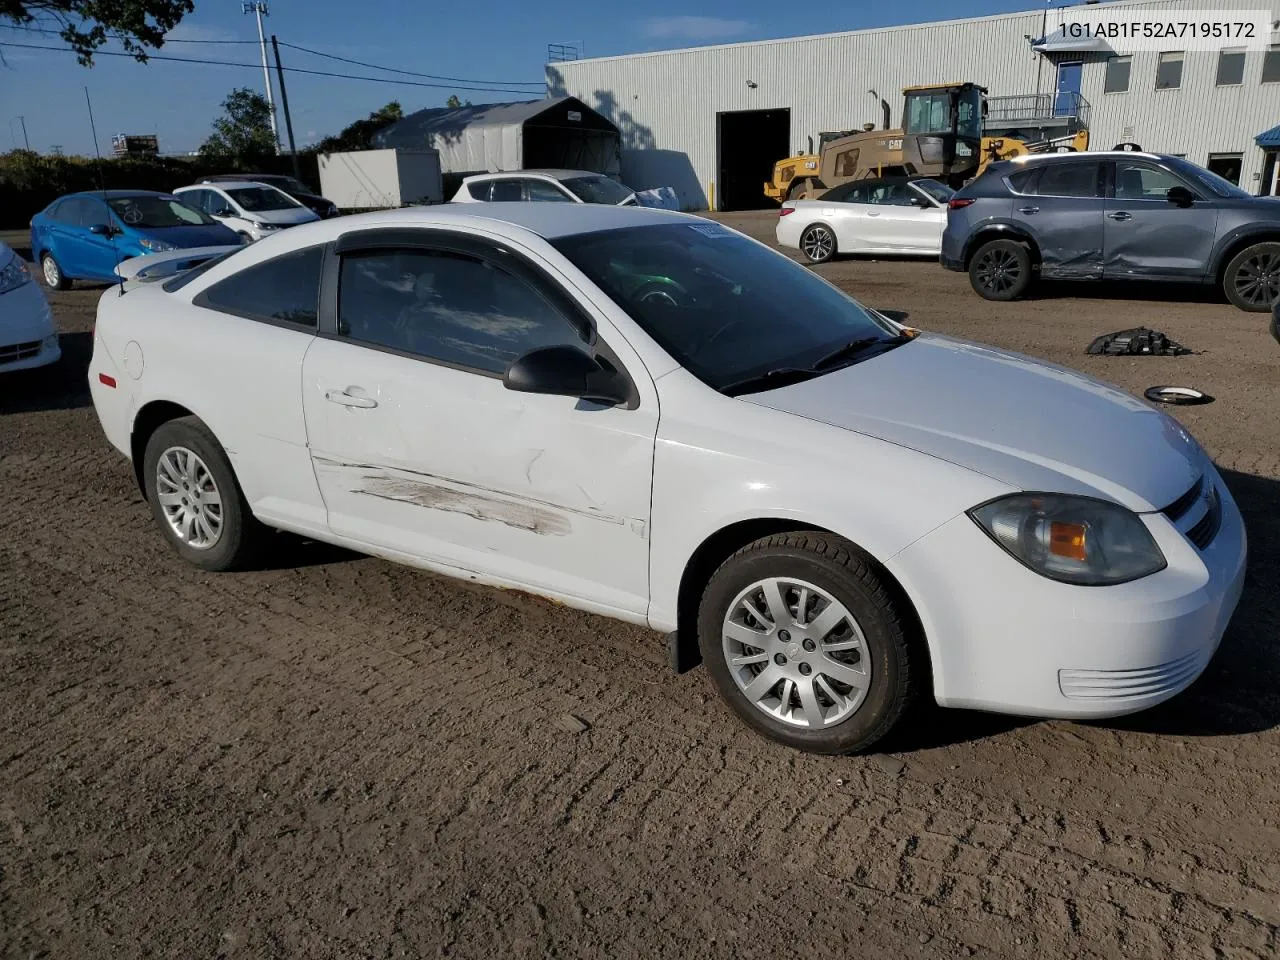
[52, 276]
[817, 245]
[998, 271]
[1257, 280]
[796, 653]
[189, 498]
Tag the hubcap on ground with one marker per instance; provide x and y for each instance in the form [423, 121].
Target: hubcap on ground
[998, 271]
[796, 653]
[50, 271]
[817, 244]
[190, 499]
[1258, 279]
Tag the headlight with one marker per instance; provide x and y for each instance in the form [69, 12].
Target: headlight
[155, 246]
[1072, 539]
[13, 274]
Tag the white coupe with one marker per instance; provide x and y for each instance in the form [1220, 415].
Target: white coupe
[650, 416]
[890, 215]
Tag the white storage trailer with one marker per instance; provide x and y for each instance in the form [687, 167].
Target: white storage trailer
[379, 179]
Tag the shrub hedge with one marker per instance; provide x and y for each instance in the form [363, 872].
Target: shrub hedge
[29, 182]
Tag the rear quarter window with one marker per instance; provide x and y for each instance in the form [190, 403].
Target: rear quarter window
[283, 290]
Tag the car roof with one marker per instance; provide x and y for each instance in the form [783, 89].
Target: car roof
[116, 194]
[553, 173]
[244, 177]
[1087, 154]
[226, 184]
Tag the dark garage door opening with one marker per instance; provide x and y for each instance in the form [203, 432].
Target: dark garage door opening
[748, 144]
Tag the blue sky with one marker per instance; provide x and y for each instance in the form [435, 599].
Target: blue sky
[497, 40]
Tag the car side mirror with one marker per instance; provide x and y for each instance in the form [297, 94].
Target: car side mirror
[567, 371]
[1180, 196]
[101, 229]
[921, 202]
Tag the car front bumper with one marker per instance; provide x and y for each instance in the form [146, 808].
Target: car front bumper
[1005, 639]
[27, 335]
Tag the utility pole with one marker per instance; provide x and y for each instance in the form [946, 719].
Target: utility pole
[284, 103]
[259, 9]
[25, 141]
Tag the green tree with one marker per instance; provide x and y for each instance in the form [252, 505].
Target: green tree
[453, 101]
[85, 25]
[242, 134]
[359, 135]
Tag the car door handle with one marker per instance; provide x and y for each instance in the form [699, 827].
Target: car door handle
[1028, 210]
[873, 213]
[347, 399]
[1120, 215]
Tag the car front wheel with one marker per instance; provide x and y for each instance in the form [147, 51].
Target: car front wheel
[806, 643]
[195, 498]
[1001, 270]
[1252, 278]
[818, 244]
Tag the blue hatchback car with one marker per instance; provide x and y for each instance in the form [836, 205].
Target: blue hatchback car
[83, 236]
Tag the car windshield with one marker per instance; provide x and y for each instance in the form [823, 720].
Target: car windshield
[1219, 185]
[939, 191]
[598, 189]
[256, 199]
[155, 212]
[284, 183]
[728, 309]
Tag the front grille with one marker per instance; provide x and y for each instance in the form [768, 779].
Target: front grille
[1131, 684]
[1178, 509]
[1206, 527]
[19, 351]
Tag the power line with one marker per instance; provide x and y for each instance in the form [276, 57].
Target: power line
[411, 73]
[255, 66]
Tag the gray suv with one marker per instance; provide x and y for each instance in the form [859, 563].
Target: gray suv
[1112, 216]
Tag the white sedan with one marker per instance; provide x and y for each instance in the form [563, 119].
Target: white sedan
[253, 210]
[890, 215]
[548, 186]
[27, 336]
[650, 416]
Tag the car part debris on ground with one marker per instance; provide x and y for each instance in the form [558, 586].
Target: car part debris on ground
[1139, 341]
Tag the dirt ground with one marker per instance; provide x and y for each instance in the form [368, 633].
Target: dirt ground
[340, 758]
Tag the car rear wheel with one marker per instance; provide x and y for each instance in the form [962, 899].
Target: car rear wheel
[806, 643]
[818, 244]
[54, 278]
[195, 498]
[1001, 270]
[1252, 278]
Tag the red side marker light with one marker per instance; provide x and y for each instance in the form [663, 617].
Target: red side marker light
[108, 381]
[785, 210]
[957, 203]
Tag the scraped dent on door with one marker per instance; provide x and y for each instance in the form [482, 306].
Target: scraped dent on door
[455, 496]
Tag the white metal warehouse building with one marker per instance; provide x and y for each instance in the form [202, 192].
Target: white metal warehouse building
[677, 109]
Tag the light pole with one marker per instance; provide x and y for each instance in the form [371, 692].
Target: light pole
[25, 141]
[259, 9]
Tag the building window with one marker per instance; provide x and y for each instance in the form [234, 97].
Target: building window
[1230, 68]
[1226, 165]
[1117, 80]
[1271, 65]
[1169, 71]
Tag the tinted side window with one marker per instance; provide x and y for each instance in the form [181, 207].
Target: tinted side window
[541, 190]
[506, 190]
[93, 211]
[1024, 181]
[1068, 180]
[285, 289]
[841, 194]
[480, 191]
[891, 194]
[445, 306]
[1139, 181]
[73, 212]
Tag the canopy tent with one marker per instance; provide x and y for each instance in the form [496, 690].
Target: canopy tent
[560, 132]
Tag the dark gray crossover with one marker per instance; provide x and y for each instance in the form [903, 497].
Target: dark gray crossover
[1112, 216]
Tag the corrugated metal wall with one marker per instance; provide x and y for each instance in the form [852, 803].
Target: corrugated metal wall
[665, 104]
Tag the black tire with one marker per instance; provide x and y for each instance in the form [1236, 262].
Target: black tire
[49, 265]
[818, 243]
[834, 566]
[1001, 270]
[1252, 278]
[240, 539]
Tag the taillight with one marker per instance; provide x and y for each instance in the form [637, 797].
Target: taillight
[785, 210]
[957, 203]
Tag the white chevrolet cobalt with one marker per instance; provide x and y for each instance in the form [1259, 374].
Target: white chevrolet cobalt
[653, 417]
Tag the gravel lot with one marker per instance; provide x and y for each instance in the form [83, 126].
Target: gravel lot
[337, 757]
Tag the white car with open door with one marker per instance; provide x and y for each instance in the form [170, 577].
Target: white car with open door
[253, 210]
[834, 512]
[889, 215]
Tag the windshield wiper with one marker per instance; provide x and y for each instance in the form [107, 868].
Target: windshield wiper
[854, 347]
[773, 378]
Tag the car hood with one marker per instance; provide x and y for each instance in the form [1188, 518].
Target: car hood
[196, 235]
[288, 217]
[1032, 425]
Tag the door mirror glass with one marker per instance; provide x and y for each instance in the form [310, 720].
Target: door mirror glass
[1180, 196]
[566, 371]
